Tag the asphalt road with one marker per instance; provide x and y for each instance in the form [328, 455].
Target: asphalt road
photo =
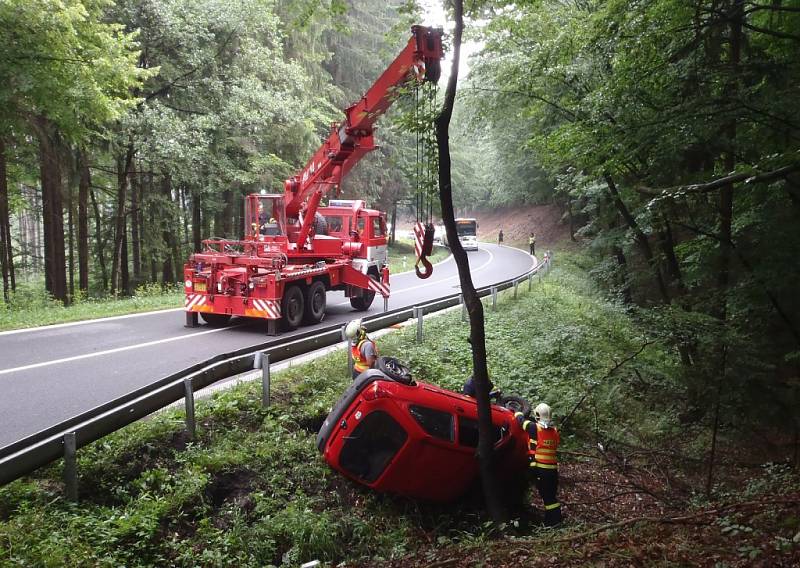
[52, 373]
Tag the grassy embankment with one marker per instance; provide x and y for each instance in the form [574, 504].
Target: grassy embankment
[31, 307]
[253, 491]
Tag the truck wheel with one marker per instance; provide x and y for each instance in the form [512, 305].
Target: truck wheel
[364, 301]
[316, 298]
[293, 306]
[216, 320]
[515, 404]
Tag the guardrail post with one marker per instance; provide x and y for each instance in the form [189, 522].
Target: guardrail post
[349, 351]
[71, 466]
[191, 319]
[516, 284]
[494, 297]
[265, 380]
[191, 428]
[418, 314]
[530, 281]
[463, 308]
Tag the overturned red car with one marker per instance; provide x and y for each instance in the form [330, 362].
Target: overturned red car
[394, 434]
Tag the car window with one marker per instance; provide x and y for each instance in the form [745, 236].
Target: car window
[335, 224]
[377, 227]
[435, 422]
[468, 432]
[371, 445]
[360, 225]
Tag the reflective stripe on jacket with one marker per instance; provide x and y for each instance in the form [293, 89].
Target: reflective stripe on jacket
[359, 362]
[547, 440]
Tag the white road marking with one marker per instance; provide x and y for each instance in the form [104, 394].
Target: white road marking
[437, 282]
[84, 322]
[109, 351]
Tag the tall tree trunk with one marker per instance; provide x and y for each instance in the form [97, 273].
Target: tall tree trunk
[52, 208]
[83, 223]
[726, 222]
[123, 167]
[622, 263]
[136, 199]
[101, 253]
[124, 273]
[71, 231]
[197, 226]
[394, 222]
[491, 488]
[6, 258]
[639, 237]
[167, 272]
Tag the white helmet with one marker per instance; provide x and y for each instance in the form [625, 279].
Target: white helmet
[351, 329]
[542, 415]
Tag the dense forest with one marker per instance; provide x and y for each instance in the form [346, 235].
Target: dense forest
[131, 130]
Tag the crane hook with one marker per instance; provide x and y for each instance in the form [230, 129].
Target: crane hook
[423, 246]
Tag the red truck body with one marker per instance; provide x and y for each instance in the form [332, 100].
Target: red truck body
[293, 250]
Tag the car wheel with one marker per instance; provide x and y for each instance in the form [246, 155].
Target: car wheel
[515, 404]
[216, 320]
[394, 369]
[293, 307]
[364, 301]
[315, 303]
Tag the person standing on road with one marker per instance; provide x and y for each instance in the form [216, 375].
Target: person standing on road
[532, 243]
[500, 236]
[543, 442]
[364, 350]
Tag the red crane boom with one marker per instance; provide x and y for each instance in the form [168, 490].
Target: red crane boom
[351, 139]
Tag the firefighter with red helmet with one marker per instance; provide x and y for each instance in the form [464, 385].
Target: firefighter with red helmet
[542, 446]
[364, 349]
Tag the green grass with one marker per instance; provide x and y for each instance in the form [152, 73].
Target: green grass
[401, 256]
[31, 306]
[252, 490]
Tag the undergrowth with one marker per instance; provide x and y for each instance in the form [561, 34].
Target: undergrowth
[252, 490]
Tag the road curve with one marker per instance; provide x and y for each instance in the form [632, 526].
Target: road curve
[52, 373]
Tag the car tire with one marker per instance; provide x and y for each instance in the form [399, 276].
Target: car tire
[516, 404]
[394, 369]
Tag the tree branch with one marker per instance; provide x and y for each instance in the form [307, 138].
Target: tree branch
[746, 177]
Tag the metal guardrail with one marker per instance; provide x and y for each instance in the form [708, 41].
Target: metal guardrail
[63, 439]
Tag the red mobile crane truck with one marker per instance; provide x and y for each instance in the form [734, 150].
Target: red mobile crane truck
[293, 250]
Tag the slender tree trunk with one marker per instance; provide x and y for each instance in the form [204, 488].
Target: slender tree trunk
[6, 258]
[83, 223]
[101, 253]
[492, 491]
[124, 274]
[639, 237]
[52, 209]
[625, 284]
[123, 167]
[197, 226]
[167, 272]
[394, 222]
[136, 199]
[71, 231]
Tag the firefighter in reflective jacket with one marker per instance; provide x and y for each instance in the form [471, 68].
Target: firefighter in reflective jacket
[364, 350]
[543, 443]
